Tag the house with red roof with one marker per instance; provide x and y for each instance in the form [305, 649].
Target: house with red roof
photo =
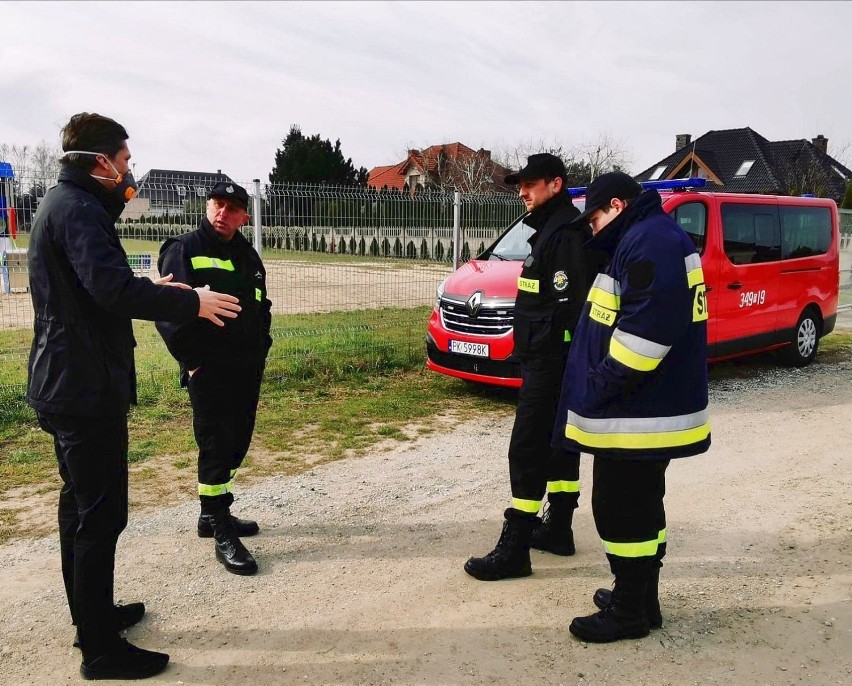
[449, 165]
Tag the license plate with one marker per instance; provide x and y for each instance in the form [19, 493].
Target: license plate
[465, 348]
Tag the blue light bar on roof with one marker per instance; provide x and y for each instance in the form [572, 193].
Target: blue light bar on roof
[6, 171]
[668, 185]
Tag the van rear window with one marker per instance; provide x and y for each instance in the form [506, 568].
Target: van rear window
[805, 231]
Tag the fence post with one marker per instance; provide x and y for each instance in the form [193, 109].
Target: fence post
[456, 228]
[257, 219]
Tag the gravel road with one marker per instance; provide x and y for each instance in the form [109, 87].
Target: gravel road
[361, 577]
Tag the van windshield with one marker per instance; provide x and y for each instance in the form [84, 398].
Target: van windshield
[512, 245]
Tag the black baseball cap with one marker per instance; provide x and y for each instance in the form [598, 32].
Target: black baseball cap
[606, 187]
[231, 191]
[542, 165]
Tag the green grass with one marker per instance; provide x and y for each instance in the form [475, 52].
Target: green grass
[336, 385]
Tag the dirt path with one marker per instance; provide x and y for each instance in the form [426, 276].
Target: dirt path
[361, 576]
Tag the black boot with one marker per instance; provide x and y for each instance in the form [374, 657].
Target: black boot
[625, 616]
[603, 598]
[123, 661]
[243, 527]
[511, 558]
[125, 617]
[230, 550]
[554, 533]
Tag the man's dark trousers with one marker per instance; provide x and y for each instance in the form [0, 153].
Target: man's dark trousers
[92, 456]
[532, 460]
[224, 406]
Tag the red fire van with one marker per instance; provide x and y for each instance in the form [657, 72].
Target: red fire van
[771, 267]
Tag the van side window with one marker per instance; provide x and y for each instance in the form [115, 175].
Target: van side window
[805, 231]
[750, 233]
[692, 218]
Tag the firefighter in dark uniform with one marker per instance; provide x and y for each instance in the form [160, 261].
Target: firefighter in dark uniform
[221, 367]
[635, 392]
[551, 290]
[82, 378]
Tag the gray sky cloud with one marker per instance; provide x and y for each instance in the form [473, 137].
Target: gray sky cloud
[216, 85]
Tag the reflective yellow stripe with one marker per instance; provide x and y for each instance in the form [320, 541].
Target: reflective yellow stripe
[233, 474]
[528, 285]
[636, 352]
[637, 441]
[567, 336]
[611, 301]
[529, 506]
[694, 273]
[214, 489]
[202, 262]
[257, 294]
[563, 486]
[641, 549]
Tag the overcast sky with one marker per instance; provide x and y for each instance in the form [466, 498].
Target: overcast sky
[202, 86]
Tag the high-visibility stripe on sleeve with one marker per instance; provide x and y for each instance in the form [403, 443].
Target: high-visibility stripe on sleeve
[606, 292]
[638, 433]
[528, 506]
[694, 272]
[258, 294]
[202, 262]
[637, 549]
[214, 489]
[563, 486]
[636, 352]
[233, 474]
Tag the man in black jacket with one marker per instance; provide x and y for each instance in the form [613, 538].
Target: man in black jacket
[82, 378]
[222, 368]
[551, 290]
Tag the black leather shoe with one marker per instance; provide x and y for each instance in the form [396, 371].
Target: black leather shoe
[124, 661]
[243, 527]
[230, 550]
[126, 617]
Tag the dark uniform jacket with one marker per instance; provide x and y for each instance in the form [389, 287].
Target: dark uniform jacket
[84, 296]
[635, 383]
[553, 284]
[201, 258]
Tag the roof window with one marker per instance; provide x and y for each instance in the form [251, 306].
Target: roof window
[658, 172]
[744, 168]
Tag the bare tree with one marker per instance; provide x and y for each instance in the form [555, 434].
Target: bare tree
[584, 161]
[36, 168]
[604, 155]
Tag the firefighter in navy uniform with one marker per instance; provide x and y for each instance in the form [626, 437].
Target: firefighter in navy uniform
[221, 367]
[635, 392]
[551, 290]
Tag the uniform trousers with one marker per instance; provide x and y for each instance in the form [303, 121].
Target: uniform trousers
[627, 505]
[224, 406]
[92, 457]
[533, 463]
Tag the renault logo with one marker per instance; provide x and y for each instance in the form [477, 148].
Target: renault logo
[474, 303]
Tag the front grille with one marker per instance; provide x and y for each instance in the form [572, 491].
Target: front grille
[489, 321]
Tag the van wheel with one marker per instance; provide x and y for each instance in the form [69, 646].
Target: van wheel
[803, 348]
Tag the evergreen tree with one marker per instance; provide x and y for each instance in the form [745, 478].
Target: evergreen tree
[314, 160]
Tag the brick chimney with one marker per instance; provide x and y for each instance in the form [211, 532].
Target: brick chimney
[682, 140]
[821, 142]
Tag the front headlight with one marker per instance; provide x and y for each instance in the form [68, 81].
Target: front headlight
[439, 293]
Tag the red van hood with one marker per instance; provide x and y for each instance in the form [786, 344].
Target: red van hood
[495, 278]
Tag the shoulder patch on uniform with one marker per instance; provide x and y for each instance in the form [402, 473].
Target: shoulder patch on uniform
[560, 281]
[640, 275]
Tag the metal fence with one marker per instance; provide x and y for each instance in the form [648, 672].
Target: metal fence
[348, 269]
